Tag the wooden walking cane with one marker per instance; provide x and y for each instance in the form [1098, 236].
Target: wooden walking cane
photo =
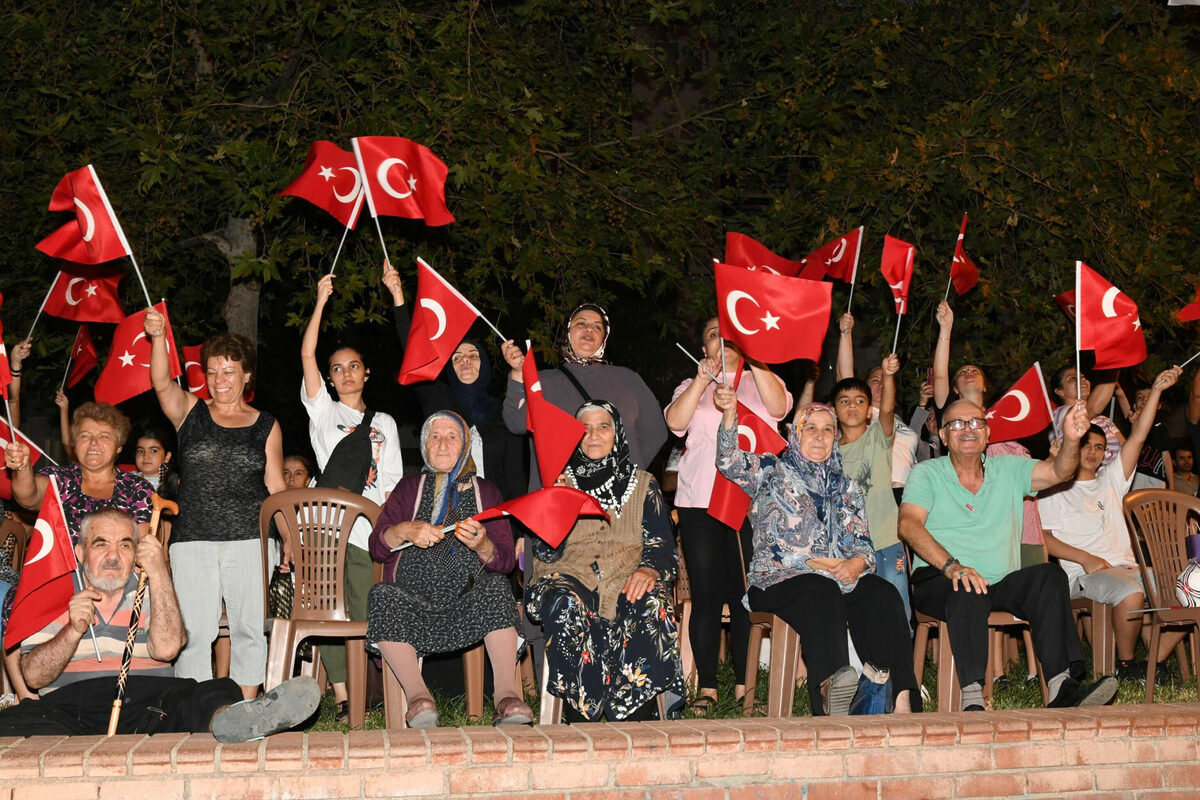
[135, 616]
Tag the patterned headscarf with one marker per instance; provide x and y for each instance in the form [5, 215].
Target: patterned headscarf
[445, 484]
[609, 479]
[825, 482]
[569, 355]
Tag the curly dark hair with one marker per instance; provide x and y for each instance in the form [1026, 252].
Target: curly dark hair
[235, 347]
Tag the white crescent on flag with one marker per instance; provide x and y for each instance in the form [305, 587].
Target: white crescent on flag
[42, 528]
[90, 229]
[381, 175]
[436, 308]
[67, 293]
[748, 432]
[352, 195]
[731, 301]
[1106, 302]
[1020, 398]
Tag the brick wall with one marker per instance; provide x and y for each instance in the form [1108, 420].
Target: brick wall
[1118, 752]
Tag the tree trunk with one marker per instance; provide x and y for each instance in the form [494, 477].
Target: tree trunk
[241, 305]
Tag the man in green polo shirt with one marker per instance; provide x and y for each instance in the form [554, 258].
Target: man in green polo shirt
[961, 515]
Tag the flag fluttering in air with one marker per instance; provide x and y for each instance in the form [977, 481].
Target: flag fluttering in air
[1107, 321]
[772, 318]
[728, 502]
[963, 272]
[95, 235]
[126, 374]
[403, 179]
[85, 295]
[550, 513]
[45, 588]
[331, 182]
[84, 357]
[1024, 410]
[897, 268]
[1191, 312]
[555, 432]
[837, 258]
[440, 320]
[35, 453]
[743, 251]
[1066, 301]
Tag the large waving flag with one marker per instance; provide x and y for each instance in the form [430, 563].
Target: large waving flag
[772, 318]
[1024, 410]
[45, 588]
[897, 268]
[555, 432]
[1107, 321]
[85, 295]
[95, 235]
[837, 258]
[550, 513]
[728, 503]
[331, 182]
[743, 251]
[402, 179]
[126, 374]
[963, 272]
[441, 319]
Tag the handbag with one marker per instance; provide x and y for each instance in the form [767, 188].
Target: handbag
[280, 593]
[349, 464]
[874, 695]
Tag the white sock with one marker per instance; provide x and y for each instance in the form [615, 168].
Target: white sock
[972, 695]
[1055, 683]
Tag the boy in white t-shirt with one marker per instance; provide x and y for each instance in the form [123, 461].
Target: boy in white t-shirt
[1084, 526]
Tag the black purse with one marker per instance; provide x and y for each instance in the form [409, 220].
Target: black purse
[349, 464]
[280, 593]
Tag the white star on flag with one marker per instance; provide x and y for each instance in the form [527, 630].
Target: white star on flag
[127, 359]
[326, 173]
[771, 322]
[91, 290]
[412, 184]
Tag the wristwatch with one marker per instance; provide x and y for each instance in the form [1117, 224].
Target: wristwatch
[950, 563]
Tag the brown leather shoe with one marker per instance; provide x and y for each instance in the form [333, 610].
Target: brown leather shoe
[512, 711]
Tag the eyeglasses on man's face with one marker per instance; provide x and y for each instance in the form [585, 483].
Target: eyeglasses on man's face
[974, 423]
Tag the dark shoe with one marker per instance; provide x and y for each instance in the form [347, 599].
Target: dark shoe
[703, 705]
[1133, 670]
[838, 690]
[1071, 694]
[286, 706]
[974, 707]
[341, 714]
[512, 711]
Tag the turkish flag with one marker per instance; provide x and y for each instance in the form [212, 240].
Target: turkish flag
[728, 502]
[1191, 312]
[85, 295]
[963, 272]
[83, 356]
[126, 374]
[742, 251]
[1108, 321]
[45, 587]
[550, 513]
[897, 268]
[440, 321]
[772, 318]
[194, 372]
[5, 372]
[1021, 411]
[835, 259]
[1066, 301]
[94, 236]
[555, 432]
[403, 179]
[331, 182]
[35, 453]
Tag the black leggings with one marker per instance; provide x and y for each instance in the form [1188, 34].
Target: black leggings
[714, 566]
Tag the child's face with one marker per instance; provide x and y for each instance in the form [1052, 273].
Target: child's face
[853, 408]
[150, 456]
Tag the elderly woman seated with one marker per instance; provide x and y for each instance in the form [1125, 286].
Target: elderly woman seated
[442, 592]
[813, 562]
[603, 597]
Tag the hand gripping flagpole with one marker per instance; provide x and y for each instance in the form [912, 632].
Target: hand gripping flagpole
[366, 187]
[135, 618]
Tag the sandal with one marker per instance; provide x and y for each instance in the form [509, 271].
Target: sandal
[703, 705]
[341, 712]
[512, 711]
[422, 713]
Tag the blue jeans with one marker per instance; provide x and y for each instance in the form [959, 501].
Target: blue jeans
[889, 565]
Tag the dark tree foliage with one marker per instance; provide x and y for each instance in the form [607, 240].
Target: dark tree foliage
[600, 150]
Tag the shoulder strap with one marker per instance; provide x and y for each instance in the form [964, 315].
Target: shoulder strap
[587, 398]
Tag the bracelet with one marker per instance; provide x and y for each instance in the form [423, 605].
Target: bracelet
[16, 373]
[950, 564]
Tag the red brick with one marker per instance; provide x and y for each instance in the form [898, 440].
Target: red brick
[527, 744]
[446, 746]
[693, 793]
[241, 756]
[762, 737]
[652, 772]
[960, 758]
[904, 733]
[729, 766]
[320, 786]
[1011, 729]
[588, 775]
[487, 745]
[881, 761]
[405, 783]
[1078, 724]
[611, 794]
[1056, 781]
[283, 751]
[407, 748]
[56, 791]
[867, 734]
[366, 749]
[990, 784]
[682, 738]
[65, 759]
[1114, 725]
[1023, 756]
[325, 750]
[1179, 722]
[22, 760]
[939, 732]
[795, 734]
[644, 741]
[1128, 777]
[842, 790]
[833, 735]
[485, 780]
[767, 792]
[718, 737]
[155, 755]
[111, 757]
[607, 742]
[1043, 726]
[971, 731]
[1181, 775]
[908, 788]
[239, 787]
[155, 789]
[1106, 751]
[196, 754]
[1144, 751]
[806, 766]
[567, 742]
[1185, 749]
[1149, 723]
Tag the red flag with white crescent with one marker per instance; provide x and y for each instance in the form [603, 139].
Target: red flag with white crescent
[84, 357]
[440, 320]
[837, 258]
[403, 179]
[330, 181]
[1108, 321]
[45, 587]
[550, 513]
[963, 272]
[728, 503]
[95, 235]
[772, 318]
[35, 453]
[85, 295]
[1066, 301]
[1024, 410]
[555, 432]
[897, 268]
[743, 251]
[126, 374]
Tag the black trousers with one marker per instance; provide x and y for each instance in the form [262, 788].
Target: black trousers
[714, 566]
[1038, 594]
[151, 705]
[816, 608]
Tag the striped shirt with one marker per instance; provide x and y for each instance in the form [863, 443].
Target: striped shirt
[110, 636]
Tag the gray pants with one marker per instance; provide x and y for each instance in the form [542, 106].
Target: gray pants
[207, 573]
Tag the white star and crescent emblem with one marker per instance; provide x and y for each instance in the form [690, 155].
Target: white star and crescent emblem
[42, 528]
[381, 175]
[838, 252]
[352, 195]
[436, 308]
[326, 173]
[89, 229]
[127, 359]
[748, 432]
[91, 290]
[770, 321]
[71, 301]
[1020, 398]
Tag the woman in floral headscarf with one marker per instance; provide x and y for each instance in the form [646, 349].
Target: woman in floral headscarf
[603, 595]
[584, 375]
[443, 593]
[813, 562]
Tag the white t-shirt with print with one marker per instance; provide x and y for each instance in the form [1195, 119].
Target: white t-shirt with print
[1088, 515]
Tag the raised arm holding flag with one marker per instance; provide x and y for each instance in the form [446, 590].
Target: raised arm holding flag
[896, 265]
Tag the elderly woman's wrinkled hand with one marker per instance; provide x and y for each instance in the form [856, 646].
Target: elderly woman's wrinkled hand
[16, 456]
[848, 570]
[512, 355]
[471, 533]
[641, 581]
[154, 323]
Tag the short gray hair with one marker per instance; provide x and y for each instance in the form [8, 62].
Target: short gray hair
[109, 513]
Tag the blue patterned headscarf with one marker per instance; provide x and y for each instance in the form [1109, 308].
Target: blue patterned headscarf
[445, 484]
[825, 482]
